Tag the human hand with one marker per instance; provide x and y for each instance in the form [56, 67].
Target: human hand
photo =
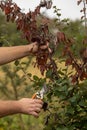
[34, 47]
[30, 106]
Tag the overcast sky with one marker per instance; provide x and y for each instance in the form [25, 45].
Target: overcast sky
[69, 8]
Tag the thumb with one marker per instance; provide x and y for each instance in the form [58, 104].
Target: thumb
[44, 47]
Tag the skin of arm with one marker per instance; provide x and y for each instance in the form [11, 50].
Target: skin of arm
[24, 106]
[8, 54]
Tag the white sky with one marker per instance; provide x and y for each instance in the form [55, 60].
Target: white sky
[69, 8]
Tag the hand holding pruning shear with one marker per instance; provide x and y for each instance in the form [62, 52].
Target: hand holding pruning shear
[40, 95]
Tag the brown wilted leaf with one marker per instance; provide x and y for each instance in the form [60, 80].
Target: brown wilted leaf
[74, 79]
[83, 75]
[68, 62]
[78, 2]
[86, 1]
[84, 10]
[37, 10]
[61, 37]
[82, 17]
[83, 53]
[16, 8]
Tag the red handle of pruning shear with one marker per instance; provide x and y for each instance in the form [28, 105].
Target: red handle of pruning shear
[34, 96]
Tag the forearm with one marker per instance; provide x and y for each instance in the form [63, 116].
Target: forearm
[8, 54]
[9, 108]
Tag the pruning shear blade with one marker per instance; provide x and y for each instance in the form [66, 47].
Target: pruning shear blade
[40, 94]
[43, 91]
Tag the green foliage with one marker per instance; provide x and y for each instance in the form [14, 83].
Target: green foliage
[8, 33]
[69, 108]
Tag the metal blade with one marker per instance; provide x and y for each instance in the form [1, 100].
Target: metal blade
[43, 91]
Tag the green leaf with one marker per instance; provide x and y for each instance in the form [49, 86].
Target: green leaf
[70, 110]
[35, 78]
[58, 14]
[23, 63]
[63, 88]
[49, 95]
[54, 6]
[70, 88]
[83, 103]
[62, 128]
[29, 74]
[16, 63]
[49, 73]
[75, 98]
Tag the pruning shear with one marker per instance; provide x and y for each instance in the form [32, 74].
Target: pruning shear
[40, 94]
